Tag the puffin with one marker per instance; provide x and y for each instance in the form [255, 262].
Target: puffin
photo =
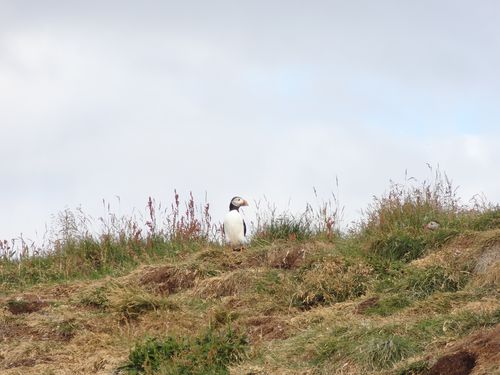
[235, 228]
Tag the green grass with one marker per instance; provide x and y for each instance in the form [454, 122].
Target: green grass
[458, 324]
[383, 351]
[372, 349]
[389, 305]
[376, 348]
[399, 246]
[269, 283]
[210, 353]
[401, 285]
[285, 227]
[422, 282]
[96, 298]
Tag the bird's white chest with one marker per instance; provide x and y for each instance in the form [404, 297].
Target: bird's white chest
[233, 228]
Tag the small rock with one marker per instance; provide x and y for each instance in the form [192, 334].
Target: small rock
[432, 225]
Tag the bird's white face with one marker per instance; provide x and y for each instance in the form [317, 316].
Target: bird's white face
[239, 202]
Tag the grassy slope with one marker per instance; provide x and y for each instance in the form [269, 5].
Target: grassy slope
[306, 307]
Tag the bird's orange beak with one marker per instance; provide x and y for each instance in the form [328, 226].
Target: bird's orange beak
[245, 203]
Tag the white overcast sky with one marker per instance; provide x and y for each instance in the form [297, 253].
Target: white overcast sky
[100, 99]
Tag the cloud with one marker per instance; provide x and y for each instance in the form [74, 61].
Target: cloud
[258, 99]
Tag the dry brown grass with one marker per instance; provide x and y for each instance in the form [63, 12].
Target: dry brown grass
[229, 284]
[465, 251]
[483, 346]
[332, 280]
[287, 258]
[89, 327]
[168, 279]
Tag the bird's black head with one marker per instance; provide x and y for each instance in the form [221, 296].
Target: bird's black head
[236, 203]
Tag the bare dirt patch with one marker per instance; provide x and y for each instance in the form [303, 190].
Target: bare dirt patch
[168, 279]
[25, 304]
[28, 362]
[365, 305]
[287, 258]
[483, 347]
[10, 330]
[14, 330]
[460, 363]
[266, 328]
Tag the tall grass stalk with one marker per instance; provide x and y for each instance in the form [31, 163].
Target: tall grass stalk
[81, 246]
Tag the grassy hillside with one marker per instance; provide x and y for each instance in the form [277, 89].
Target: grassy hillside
[387, 296]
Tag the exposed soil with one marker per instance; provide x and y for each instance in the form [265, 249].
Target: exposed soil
[460, 363]
[365, 305]
[266, 328]
[27, 362]
[14, 330]
[476, 354]
[168, 280]
[26, 304]
[287, 258]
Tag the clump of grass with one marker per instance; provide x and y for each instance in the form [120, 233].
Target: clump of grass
[410, 206]
[372, 349]
[388, 305]
[321, 220]
[228, 284]
[130, 303]
[221, 316]
[485, 218]
[402, 287]
[269, 282]
[384, 351]
[422, 282]
[457, 324]
[96, 298]
[210, 353]
[150, 354]
[285, 227]
[406, 246]
[399, 246]
[333, 280]
[286, 257]
[394, 225]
